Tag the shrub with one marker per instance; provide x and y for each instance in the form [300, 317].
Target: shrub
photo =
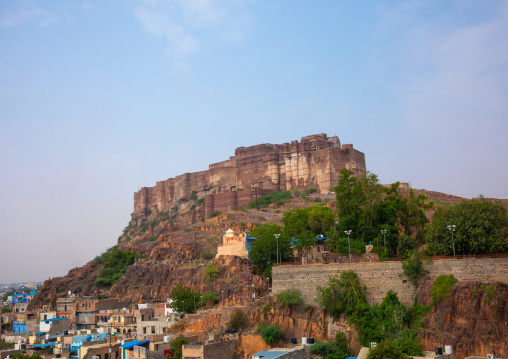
[271, 334]
[309, 191]
[342, 294]
[115, 262]
[386, 350]
[413, 267]
[175, 346]
[441, 287]
[193, 196]
[209, 297]
[274, 197]
[215, 213]
[207, 255]
[238, 320]
[290, 297]
[211, 273]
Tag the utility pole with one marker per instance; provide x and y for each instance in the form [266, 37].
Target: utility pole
[348, 232]
[277, 238]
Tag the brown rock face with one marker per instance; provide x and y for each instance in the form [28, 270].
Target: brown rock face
[149, 280]
[79, 279]
[473, 320]
[314, 161]
[295, 322]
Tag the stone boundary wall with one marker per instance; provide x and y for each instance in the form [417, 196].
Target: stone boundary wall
[383, 276]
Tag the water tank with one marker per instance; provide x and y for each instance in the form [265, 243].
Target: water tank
[166, 339]
[19, 342]
[448, 349]
[439, 351]
[227, 331]
[304, 340]
[311, 340]
[293, 341]
[123, 341]
[60, 346]
[233, 331]
[47, 336]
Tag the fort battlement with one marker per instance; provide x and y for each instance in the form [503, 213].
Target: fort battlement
[379, 277]
[315, 161]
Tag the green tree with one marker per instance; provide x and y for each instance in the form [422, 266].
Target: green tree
[22, 356]
[184, 299]
[175, 346]
[7, 294]
[6, 309]
[481, 228]
[263, 253]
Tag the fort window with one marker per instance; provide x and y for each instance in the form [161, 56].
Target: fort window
[153, 330]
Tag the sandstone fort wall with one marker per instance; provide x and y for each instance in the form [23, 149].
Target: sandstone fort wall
[314, 161]
[383, 276]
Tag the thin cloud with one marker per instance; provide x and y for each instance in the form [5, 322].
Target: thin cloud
[159, 24]
[185, 23]
[22, 16]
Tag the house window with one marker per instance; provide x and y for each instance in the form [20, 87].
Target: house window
[153, 329]
[144, 330]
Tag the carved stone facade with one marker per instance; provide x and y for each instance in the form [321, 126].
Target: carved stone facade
[315, 161]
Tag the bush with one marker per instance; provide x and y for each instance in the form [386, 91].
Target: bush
[215, 213]
[274, 197]
[387, 350]
[271, 334]
[441, 287]
[238, 320]
[207, 256]
[211, 273]
[335, 350]
[115, 264]
[193, 196]
[309, 191]
[290, 297]
[175, 346]
[342, 294]
[209, 297]
[413, 268]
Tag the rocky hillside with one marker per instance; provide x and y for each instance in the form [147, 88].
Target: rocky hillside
[473, 319]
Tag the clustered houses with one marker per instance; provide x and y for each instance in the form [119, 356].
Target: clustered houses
[90, 328]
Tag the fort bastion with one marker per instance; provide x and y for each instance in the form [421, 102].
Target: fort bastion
[315, 161]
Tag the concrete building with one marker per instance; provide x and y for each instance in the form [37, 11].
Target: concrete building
[233, 245]
[55, 326]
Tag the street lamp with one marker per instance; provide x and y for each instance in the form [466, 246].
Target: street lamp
[384, 236]
[349, 244]
[277, 238]
[451, 228]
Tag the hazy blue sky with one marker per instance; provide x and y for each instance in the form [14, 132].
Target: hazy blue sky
[100, 97]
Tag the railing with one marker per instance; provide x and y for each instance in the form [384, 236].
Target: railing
[457, 257]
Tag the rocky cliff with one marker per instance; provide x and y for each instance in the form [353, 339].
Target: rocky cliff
[473, 319]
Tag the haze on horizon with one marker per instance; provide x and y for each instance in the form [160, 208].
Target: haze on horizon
[99, 98]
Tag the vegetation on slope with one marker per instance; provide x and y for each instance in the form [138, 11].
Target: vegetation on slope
[274, 197]
[115, 263]
[390, 320]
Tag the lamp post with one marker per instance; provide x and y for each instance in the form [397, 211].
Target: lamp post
[384, 236]
[277, 238]
[349, 244]
[451, 228]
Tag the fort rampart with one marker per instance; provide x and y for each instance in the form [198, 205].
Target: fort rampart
[314, 161]
[382, 276]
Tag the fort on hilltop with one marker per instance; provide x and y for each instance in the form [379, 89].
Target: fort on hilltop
[253, 171]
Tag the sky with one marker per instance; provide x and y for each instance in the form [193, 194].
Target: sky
[99, 98]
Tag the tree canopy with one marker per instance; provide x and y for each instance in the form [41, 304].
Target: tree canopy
[481, 227]
[263, 253]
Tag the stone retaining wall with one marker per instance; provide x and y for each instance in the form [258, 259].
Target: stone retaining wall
[383, 276]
